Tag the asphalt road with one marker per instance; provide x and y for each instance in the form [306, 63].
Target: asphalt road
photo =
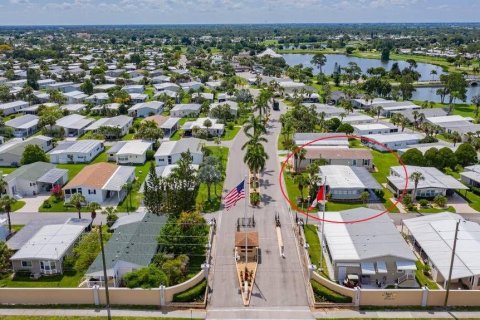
[279, 281]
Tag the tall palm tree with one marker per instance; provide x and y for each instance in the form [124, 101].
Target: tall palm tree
[433, 73]
[416, 177]
[77, 200]
[254, 126]
[6, 203]
[403, 122]
[255, 158]
[301, 182]
[415, 114]
[3, 185]
[456, 137]
[93, 207]
[256, 139]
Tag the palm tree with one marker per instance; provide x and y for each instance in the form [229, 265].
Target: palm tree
[433, 73]
[3, 185]
[255, 158]
[93, 207]
[256, 124]
[77, 200]
[301, 182]
[403, 122]
[378, 110]
[456, 137]
[6, 203]
[415, 114]
[416, 177]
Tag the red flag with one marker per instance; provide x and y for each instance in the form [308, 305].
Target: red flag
[320, 197]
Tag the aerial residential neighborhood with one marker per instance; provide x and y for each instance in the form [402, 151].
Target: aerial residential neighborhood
[239, 160]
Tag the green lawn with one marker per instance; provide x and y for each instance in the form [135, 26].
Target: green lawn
[313, 241]
[472, 198]
[230, 134]
[67, 280]
[292, 189]
[461, 109]
[202, 196]
[422, 279]
[141, 173]
[436, 210]
[7, 170]
[383, 161]
[340, 206]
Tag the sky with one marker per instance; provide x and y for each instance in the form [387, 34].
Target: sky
[85, 12]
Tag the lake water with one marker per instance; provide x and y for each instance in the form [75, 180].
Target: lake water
[423, 68]
[429, 94]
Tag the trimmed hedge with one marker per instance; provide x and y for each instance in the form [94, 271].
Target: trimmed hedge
[323, 294]
[193, 294]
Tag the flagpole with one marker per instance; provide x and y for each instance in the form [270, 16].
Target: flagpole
[247, 182]
[323, 221]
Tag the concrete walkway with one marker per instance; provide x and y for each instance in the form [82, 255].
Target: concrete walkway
[249, 313]
[188, 314]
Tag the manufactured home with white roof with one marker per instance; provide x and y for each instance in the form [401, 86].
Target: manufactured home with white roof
[80, 151]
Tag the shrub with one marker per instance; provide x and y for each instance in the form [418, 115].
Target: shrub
[131, 130]
[150, 155]
[146, 278]
[407, 200]
[428, 139]
[323, 294]
[193, 294]
[46, 204]
[255, 198]
[230, 126]
[440, 201]
[423, 202]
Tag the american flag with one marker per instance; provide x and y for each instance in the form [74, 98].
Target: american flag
[234, 195]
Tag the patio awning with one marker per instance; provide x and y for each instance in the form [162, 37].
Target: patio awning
[381, 267]
[405, 265]
[368, 268]
[52, 176]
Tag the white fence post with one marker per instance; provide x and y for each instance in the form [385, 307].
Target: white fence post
[424, 296]
[357, 296]
[96, 296]
[205, 268]
[162, 295]
[311, 269]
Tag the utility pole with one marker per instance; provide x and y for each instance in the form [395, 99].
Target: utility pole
[451, 263]
[105, 279]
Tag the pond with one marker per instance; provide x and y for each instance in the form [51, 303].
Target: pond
[423, 68]
[429, 94]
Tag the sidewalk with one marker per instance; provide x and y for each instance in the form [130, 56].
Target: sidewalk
[201, 314]
[430, 314]
[189, 314]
